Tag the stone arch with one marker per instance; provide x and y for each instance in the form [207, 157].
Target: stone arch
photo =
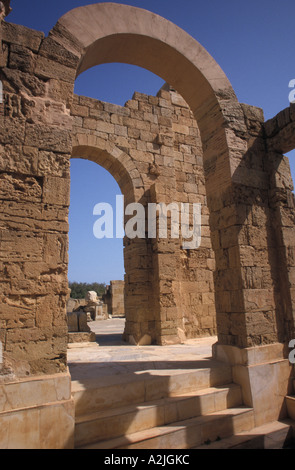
[120, 165]
[109, 32]
[117, 162]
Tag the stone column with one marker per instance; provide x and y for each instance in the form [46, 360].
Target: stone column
[252, 248]
[241, 232]
[35, 138]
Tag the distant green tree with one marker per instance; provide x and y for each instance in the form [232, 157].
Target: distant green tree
[80, 289]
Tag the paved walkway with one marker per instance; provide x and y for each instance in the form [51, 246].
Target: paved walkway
[110, 357]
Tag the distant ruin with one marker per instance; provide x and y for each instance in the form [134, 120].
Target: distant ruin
[114, 299]
[80, 312]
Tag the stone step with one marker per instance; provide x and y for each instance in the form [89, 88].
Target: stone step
[290, 402]
[117, 422]
[275, 435]
[184, 434]
[93, 395]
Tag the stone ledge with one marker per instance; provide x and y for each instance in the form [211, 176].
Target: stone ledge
[264, 374]
[50, 426]
[248, 356]
[37, 413]
[34, 391]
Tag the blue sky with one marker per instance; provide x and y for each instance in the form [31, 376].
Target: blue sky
[253, 42]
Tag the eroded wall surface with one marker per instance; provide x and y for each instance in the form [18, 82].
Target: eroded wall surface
[160, 136]
[34, 186]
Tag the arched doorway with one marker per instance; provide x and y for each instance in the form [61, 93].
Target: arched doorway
[94, 262]
[137, 252]
[104, 33]
[88, 262]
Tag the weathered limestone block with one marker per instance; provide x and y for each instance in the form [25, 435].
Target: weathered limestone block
[169, 291]
[82, 322]
[254, 118]
[10, 161]
[118, 294]
[37, 217]
[30, 422]
[60, 91]
[51, 49]
[16, 81]
[21, 58]
[56, 190]
[55, 250]
[78, 329]
[280, 131]
[12, 131]
[48, 138]
[20, 188]
[73, 322]
[57, 164]
[66, 39]
[47, 68]
[81, 337]
[30, 354]
[19, 246]
[22, 36]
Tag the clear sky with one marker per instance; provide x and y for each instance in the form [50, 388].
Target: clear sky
[254, 43]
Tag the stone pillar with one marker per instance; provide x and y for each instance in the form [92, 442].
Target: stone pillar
[139, 295]
[241, 228]
[279, 133]
[165, 272]
[264, 265]
[35, 138]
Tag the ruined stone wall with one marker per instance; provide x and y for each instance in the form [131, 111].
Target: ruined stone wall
[118, 305]
[35, 145]
[161, 136]
[153, 149]
[280, 131]
[167, 299]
